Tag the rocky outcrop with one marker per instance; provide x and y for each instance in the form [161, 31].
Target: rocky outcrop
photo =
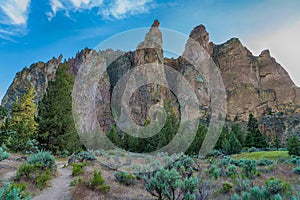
[38, 75]
[254, 84]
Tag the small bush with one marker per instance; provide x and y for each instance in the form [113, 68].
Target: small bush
[37, 169]
[97, 182]
[248, 167]
[276, 186]
[255, 193]
[214, 153]
[125, 178]
[232, 171]
[3, 154]
[76, 181]
[77, 169]
[45, 158]
[214, 171]
[296, 170]
[42, 178]
[12, 191]
[227, 186]
[264, 162]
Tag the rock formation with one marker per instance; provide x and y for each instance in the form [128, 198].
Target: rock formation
[254, 84]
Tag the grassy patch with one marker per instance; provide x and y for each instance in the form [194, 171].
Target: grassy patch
[272, 155]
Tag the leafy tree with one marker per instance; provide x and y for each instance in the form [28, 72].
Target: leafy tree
[56, 126]
[293, 146]
[254, 137]
[222, 141]
[22, 121]
[233, 145]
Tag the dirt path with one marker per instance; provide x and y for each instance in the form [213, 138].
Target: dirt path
[60, 186]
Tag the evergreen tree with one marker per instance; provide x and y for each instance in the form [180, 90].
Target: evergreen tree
[233, 145]
[56, 126]
[194, 148]
[114, 137]
[169, 130]
[222, 140]
[293, 146]
[238, 131]
[254, 137]
[22, 121]
[3, 113]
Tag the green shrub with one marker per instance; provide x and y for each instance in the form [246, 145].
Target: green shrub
[227, 186]
[84, 156]
[37, 169]
[293, 146]
[296, 170]
[248, 167]
[45, 158]
[255, 193]
[76, 181]
[214, 171]
[42, 178]
[162, 184]
[264, 162]
[276, 186]
[97, 182]
[77, 169]
[125, 178]
[232, 171]
[14, 191]
[295, 159]
[25, 170]
[3, 154]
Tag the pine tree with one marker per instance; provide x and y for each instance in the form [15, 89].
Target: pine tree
[169, 130]
[56, 126]
[233, 145]
[254, 137]
[194, 148]
[238, 131]
[22, 121]
[114, 137]
[222, 140]
[293, 146]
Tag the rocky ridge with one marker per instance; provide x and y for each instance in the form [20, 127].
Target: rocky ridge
[254, 84]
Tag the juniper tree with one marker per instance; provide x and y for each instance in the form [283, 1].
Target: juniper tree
[22, 121]
[57, 131]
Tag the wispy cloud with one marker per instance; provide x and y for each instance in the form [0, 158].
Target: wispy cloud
[13, 18]
[55, 6]
[124, 8]
[116, 9]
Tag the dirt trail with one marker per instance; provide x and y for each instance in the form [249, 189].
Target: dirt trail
[60, 186]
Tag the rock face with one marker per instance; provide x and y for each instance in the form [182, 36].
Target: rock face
[38, 75]
[254, 84]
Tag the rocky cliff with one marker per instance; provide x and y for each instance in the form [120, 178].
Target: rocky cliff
[254, 84]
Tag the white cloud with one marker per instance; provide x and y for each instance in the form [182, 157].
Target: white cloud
[15, 11]
[123, 8]
[55, 6]
[116, 9]
[13, 18]
[284, 46]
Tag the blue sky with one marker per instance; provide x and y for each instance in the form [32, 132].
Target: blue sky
[37, 30]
